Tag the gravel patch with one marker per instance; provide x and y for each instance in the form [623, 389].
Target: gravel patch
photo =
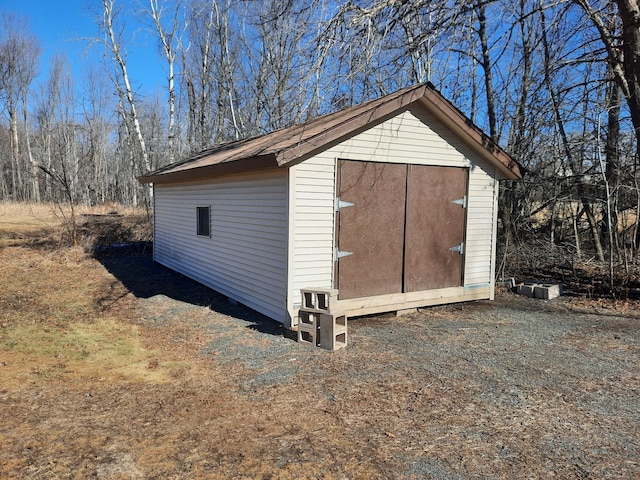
[515, 388]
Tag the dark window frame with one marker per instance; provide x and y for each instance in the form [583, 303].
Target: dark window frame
[203, 221]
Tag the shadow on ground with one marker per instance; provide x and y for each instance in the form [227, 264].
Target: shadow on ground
[145, 278]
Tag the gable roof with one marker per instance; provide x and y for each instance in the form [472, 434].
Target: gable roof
[294, 144]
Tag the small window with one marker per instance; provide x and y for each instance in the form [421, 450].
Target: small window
[204, 221]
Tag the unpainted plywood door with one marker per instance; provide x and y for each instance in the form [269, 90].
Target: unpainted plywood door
[434, 225]
[398, 234]
[371, 232]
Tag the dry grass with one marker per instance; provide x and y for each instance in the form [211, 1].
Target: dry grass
[18, 221]
[53, 323]
[49, 225]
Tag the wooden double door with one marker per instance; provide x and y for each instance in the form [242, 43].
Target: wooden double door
[399, 228]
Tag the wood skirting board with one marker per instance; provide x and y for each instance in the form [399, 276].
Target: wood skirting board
[355, 307]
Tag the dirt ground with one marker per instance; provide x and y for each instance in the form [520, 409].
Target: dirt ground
[113, 367]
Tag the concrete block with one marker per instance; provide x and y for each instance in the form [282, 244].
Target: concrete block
[308, 328]
[333, 331]
[319, 300]
[548, 291]
[526, 289]
[509, 283]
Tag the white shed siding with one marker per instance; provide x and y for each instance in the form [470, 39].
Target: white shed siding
[413, 137]
[246, 256]
[403, 139]
[312, 225]
[480, 232]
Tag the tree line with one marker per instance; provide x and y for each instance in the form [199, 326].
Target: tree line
[556, 83]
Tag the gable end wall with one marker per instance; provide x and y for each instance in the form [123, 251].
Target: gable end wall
[413, 137]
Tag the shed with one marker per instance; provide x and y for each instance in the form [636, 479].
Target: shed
[393, 203]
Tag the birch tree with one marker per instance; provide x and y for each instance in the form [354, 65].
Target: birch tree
[169, 37]
[128, 102]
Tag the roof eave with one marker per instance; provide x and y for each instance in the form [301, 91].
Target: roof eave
[259, 163]
[471, 135]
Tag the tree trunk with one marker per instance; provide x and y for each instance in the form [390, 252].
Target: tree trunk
[629, 11]
[115, 49]
[16, 177]
[35, 187]
[612, 170]
[167, 40]
[487, 70]
[509, 203]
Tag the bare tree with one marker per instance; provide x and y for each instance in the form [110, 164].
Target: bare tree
[97, 115]
[63, 159]
[19, 53]
[46, 102]
[122, 82]
[169, 37]
[623, 50]
[197, 56]
[279, 72]
[574, 163]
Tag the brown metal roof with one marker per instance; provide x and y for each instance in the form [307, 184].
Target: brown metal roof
[294, 144]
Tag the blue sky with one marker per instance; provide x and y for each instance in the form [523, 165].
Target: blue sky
[66, 25]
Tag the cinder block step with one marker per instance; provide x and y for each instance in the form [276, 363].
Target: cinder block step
[319, 300]
[320, 322]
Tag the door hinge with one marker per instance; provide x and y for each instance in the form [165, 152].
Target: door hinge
[461, 201]
[339, 254]
[342, 204]
[458, 248]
